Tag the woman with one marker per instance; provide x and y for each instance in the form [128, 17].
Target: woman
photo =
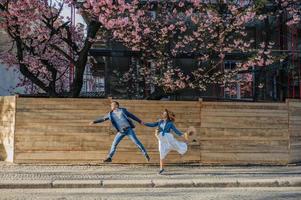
[167, 142]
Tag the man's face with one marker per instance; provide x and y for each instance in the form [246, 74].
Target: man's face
[114, 106]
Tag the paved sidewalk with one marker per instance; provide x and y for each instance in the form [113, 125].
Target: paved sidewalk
[132, 176]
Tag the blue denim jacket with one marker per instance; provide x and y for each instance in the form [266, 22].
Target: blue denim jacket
[167, 128]
[126, 114]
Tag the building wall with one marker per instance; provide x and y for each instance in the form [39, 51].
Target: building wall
[7, 127]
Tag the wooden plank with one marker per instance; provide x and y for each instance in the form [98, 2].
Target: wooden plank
[56, 145]
[245, 158]
[247, 149]
[246, 125]
[249, 119]
[222, 133]
[244, 106]
[60, 155]
[93, 116]
[66, 130]
[295, 132]
[125, 157]
[242, 111]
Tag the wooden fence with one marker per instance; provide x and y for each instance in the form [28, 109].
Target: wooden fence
[56, 131]
[244, 133]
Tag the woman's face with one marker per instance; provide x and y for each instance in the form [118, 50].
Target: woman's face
[164, 115]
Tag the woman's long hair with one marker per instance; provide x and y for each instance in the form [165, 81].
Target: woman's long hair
[170, 115]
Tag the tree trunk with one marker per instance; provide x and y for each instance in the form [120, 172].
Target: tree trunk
[80, 65]
[26, 73]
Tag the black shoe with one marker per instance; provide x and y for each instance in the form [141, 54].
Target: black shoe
[147, 157]
[108, 160]
[161, 171]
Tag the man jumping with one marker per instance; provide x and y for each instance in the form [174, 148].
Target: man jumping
[120, 119]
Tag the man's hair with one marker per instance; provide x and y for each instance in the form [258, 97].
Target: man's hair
[116, 102]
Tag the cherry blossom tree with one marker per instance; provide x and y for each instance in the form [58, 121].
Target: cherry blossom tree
[164, 30]
[45, 45]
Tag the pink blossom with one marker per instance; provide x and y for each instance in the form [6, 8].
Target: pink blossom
[181, 4]
[171, 27]
[194, 19]
[147, 30]
[183, 28]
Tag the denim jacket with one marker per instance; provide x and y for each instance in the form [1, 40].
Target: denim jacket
[125, 113]
[167, 128]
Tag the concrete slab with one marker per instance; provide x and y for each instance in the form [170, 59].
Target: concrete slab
[173, 183]
[77, 184]
[127, 183]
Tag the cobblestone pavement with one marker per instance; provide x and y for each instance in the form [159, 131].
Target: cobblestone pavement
[23, 174]
[52, 172]
[155, 194]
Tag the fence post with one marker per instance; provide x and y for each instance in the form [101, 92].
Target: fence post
[294, 130]
[200, 127]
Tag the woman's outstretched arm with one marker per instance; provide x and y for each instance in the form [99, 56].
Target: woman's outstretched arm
[153, 124]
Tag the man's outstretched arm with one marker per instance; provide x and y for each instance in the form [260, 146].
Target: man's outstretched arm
[101, 119]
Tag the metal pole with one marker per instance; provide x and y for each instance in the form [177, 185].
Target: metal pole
[293, 60]
[71, 71]
[299, 64]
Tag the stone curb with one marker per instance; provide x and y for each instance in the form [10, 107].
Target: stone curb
[168, 183]
[25, 184]
[157, 183]
[128, 184]
[77, 184]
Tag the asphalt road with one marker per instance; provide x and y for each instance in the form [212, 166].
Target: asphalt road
[288, 193]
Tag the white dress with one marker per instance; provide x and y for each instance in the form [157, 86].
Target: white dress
[168, 142]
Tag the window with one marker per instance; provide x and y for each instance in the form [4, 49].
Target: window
[240, 86]
[93, 84]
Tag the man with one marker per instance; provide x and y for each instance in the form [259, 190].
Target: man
[120, 119]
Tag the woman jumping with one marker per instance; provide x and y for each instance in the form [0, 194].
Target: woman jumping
[167, 142]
